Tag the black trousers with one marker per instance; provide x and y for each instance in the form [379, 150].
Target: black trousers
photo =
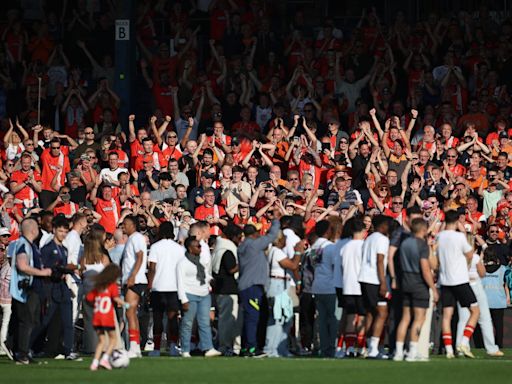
[307, 319]
[497, 321]
[25, 318]
[65, 310]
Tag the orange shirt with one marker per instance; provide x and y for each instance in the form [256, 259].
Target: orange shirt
[216, 211]
[109, 211]
[50, 164]
[123, 157]
[171, 153]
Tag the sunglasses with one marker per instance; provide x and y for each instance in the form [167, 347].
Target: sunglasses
[397, 203]
[269, 190]
[451, 156]
[5, 236]
[56, 147]
[89, 133]
[308, 189]
[489, 232]
[294, 179]
[172, 136]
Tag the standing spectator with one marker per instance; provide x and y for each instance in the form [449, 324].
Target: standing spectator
[5, 300]
[193, 292]
[25, 288]
[55, 167]
[254, 274]
[224, 271]
[164, 257]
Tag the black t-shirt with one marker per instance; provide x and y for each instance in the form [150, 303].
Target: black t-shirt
[225, 283]
[78, 195]
[411, 251]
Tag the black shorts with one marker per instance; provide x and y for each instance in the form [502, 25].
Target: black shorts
[451, 294]
[353, 305]
[165, 301]
[104, 329]
[139, 289]
[371, 297]
[417, 299]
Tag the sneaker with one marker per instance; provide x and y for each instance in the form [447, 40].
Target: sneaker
[22, 361]
[154, 353]
[258, 355]
[185, 354]
[411, 359]
[466, 351]
[6, 351]
[340, 353]
[496, 354]
[450, 355]
[134, 353]
[94, 366]
[104, 363]
[398, 357]
[174, 350]
[304, 352]
[60, 356]
[73, 356]
[379, 356]
[212, 353]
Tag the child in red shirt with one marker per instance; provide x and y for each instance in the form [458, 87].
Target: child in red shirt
[104, 295]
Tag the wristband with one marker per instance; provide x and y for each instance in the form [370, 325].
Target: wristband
[299, 282]
[126, 306]
[297, 253]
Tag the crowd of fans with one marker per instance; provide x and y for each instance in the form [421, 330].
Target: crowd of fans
[262, 140]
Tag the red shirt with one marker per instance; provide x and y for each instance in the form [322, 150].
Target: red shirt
[103, 315]
[27, 193]
[67, 210]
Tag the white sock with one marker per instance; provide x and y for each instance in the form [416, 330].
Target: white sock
[374, 346]
[95, 362]
[134, 346]
[465, 341]
[399, 348]
[449, 349]
[413, 349]
[104, 357]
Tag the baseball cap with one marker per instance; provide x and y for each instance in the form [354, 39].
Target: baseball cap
[4, 231]
[186, 213]
[334, 121]
[344, 135]
[208, 175]
[503, 135]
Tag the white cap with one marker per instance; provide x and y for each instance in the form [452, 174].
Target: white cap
[5, 231]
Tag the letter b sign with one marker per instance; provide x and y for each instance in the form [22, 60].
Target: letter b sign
[122, 29]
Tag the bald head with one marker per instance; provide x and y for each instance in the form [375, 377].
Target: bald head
[30, 229]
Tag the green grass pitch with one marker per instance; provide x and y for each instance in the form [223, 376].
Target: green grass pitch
[482, 370]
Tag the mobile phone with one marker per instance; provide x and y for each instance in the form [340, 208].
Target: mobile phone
[326, 147]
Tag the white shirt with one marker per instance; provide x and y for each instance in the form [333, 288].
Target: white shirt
[374, 244]
[275, 255]
[291, 241]
[351, 260]
[206, 259]
[46, 237]
[187, 281]
[166, 254]
[108, 176]
[136, 243]
[73, 244]
[453, 265]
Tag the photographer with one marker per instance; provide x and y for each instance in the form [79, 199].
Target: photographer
[56, 295]
[25, 287]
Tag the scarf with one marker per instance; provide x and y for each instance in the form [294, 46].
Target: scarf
[201, 276]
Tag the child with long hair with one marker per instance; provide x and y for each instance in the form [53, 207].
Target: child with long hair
[104, 294]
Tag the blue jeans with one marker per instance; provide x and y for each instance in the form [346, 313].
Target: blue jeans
[199, 305]
[327, 323]
[251, 299]
[276, 340]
